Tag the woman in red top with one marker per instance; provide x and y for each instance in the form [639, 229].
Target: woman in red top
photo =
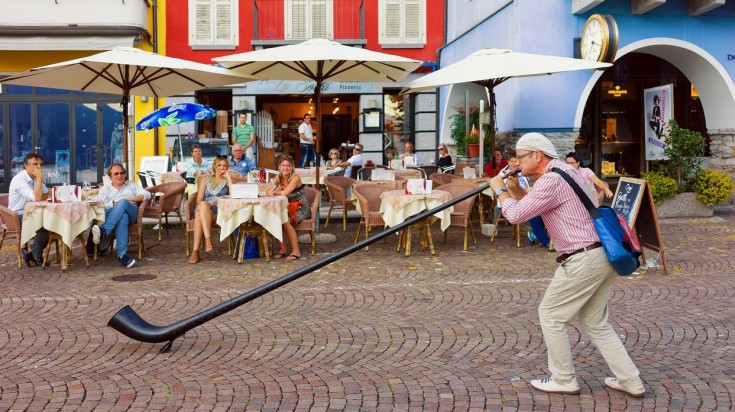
[500, 163]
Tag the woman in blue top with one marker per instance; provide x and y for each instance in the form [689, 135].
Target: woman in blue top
[211, 188]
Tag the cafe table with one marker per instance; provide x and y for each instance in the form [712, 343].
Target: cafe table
[396, 206]
[270, 212]
[68, 221]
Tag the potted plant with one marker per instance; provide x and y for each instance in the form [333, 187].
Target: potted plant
[473, 142]
[458, 128]
[680, 187]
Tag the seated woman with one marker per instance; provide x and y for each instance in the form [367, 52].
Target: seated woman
[334, 159]
[210, 188]
[288, 184]
[445, 160]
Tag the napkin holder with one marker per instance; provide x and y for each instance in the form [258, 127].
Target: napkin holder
[66, 194]
[418, 187]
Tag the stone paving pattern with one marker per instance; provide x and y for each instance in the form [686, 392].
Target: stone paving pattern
[373, 331]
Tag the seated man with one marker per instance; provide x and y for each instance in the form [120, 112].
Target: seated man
[27, 186]
[121, 211]
[408, 152]
[354, 160]
[241, 163]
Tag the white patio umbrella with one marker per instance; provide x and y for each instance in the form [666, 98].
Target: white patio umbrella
[320, 60]
[490, 67]
[127, 71]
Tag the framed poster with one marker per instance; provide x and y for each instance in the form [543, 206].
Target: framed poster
[372, 120]
[657, 111]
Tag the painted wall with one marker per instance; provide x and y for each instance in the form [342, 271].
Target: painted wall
[550, 102]
[178, 28]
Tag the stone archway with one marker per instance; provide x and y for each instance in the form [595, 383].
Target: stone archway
[714, 85]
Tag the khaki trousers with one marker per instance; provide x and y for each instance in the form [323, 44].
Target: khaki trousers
[581, 286]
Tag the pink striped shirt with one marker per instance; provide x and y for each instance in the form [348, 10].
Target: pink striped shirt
[567, 220]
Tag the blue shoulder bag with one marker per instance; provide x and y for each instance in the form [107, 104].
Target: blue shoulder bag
[620, 243]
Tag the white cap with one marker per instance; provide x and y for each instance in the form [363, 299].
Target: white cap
[537, 141]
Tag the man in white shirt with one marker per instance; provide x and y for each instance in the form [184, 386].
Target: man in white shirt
[27, 186]
[306, 138]
[354, 160]
[408, 152]
[121, 210]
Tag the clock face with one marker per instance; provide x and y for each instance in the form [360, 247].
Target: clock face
[592, 41]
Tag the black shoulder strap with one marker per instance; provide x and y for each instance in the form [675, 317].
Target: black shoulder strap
[578, 190]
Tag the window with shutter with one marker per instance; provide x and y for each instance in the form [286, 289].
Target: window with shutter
[402, 23]
[213, 23]
[306, 19]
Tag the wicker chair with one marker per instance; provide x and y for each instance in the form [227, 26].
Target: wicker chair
[169, 201]
[461, 216]
[135, 230]
[368, 195]
[309, 225]
[440, 179]
[10, 222]
[189, 219]
[337, 188]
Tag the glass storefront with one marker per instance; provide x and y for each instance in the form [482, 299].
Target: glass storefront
[69, 130]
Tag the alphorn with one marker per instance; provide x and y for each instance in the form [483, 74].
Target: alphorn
[130, 324]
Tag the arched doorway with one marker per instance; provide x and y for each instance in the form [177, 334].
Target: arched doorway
[611, 119]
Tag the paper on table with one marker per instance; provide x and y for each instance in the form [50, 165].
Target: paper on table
[418, 186]
[469, 173]
[383, 175]
[66, 194]
[244, 191]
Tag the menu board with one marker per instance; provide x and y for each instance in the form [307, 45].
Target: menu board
[627, 198]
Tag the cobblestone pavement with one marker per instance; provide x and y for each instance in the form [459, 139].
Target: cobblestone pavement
[373, 331]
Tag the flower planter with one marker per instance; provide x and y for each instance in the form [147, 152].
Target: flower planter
[473, 149]
[683, 205]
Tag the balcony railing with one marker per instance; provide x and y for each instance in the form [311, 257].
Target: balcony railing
[282, 22]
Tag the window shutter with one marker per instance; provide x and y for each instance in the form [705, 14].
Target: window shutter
[318, 19]
[393, 21]
[224, 28]
[412, 22]
[297, 20]
[203, 26]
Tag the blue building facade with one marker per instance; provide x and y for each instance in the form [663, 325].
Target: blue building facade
[689, 44]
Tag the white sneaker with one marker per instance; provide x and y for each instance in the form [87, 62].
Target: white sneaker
[637, 391]
[96, 234]
[547, 385]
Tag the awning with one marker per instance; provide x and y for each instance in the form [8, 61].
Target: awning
[65, 42]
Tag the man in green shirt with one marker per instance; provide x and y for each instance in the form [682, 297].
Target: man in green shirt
[244, 135]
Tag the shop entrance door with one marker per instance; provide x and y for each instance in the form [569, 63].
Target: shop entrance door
[98, 139]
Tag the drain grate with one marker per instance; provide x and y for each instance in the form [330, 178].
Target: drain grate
[135, 277]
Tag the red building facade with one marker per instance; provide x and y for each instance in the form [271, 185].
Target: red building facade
[200, 30]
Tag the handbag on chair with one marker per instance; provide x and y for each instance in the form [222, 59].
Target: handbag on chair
[251, 247]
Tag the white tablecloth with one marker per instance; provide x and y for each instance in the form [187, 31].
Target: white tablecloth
[270, 212]
[66, 219]
[396, 206]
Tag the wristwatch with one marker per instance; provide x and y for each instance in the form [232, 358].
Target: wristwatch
[501, 191]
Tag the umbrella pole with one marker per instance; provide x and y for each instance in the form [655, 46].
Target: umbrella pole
[181, 147]
[318, 96]
[125, 100]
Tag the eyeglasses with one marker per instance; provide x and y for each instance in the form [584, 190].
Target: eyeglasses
[573, 162]
[221, 156]
[118, 173]
[238, 150]
[519, 157]
[441, 149]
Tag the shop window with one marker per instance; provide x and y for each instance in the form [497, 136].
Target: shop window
[402, 23]
[213, 24]
[309, 19]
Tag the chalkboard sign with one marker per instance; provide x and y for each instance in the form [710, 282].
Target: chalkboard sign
[627, 198]
[634, 201]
